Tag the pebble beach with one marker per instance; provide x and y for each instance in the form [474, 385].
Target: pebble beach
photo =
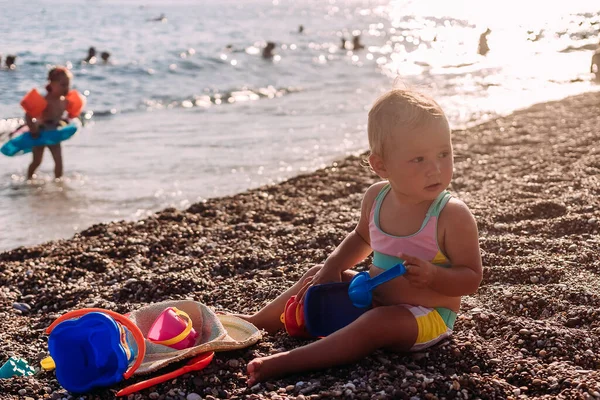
[532, 180]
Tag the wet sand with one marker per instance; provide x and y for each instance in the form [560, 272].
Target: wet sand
[532, 179]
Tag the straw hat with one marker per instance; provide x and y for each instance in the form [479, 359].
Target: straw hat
[216, 332]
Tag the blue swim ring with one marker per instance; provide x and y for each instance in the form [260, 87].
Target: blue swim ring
[24, 143]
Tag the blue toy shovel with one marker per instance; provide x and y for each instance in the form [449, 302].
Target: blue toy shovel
[361, 285]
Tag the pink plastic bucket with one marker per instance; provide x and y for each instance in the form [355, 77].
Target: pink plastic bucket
[173, 328]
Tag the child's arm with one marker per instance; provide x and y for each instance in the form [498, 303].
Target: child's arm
[357, 245]
[354, 248]
[461, 244]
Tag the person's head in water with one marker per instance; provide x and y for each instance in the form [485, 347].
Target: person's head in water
[301, 29]
[343, 43]
[356, 44]
[105, 56]
[91, 57]
[10, 62]
[268, 50]
[59, 81]
[483, 47]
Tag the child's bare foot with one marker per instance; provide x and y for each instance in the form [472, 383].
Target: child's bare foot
[263, 368]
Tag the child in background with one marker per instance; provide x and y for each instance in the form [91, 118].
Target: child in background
[59, 81]
[409, 217]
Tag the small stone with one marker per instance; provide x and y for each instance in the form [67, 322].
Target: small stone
[534, 279]
[199, 381]
[22, 392]
[475, 369]
[289, 388]
[154, 395]
[23, 307]
[233, 363]
[193, 396]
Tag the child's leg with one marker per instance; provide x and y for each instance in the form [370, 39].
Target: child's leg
[393, 327]
[267, 318]
[38, 154]
[57, 155]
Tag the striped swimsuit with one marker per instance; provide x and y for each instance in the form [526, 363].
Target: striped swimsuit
[435, 324]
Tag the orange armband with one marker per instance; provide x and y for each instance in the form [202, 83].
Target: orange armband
[75, 103]
[34, 103]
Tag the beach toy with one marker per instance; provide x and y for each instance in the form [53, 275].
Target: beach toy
[293, 318]
[24, 143]
[48, 364]
[173, 328]
[328, 308]
[93, 348]
[34, 103]
[15, 366]
[195, 364]
[75, 103]
[362, 285]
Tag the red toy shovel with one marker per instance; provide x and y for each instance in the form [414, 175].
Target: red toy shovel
[195, 364]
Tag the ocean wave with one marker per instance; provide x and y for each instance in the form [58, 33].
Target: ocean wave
[218, 98]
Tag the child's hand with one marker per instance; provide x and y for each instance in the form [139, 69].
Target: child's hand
[325, 275]
[419, 273]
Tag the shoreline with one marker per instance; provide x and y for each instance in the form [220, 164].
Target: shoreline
[107, 197]
[533, 329]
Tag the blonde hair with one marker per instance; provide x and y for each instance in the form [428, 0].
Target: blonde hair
[400, 110]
